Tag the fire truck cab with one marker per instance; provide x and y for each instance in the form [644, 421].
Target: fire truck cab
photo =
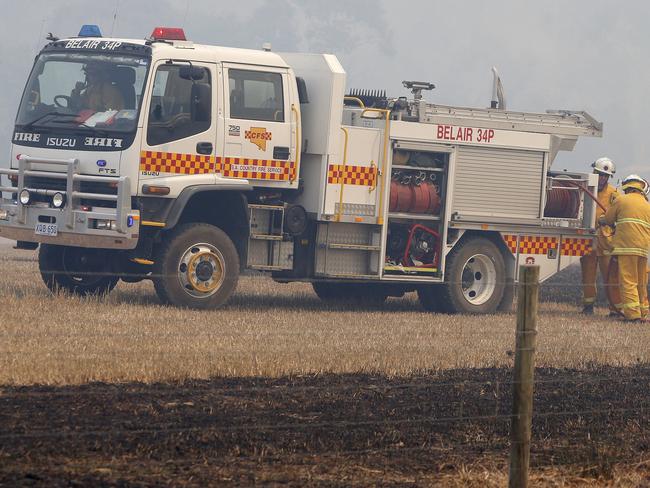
[185, 164]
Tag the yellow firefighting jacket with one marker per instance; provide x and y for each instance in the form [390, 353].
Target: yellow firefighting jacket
[631, 214]
[603, 239]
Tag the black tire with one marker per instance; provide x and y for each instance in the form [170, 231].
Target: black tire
[350, 293]
[76, 270]
[26, 245]
[508, 296]
[429, 296]
[464, 275]
[183, 250]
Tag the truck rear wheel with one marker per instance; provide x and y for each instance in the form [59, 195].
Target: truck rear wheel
[362, 293]
[76, 270]
[475, 279]
[429, 296]
[197, 266]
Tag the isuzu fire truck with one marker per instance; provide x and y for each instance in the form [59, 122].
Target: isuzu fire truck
[216, 160]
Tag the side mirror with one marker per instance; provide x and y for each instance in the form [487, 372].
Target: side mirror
[191, 73]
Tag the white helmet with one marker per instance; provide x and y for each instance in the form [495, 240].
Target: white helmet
[604, 166]
[635, 182]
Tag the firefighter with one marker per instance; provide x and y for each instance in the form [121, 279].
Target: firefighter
[599, 255]
[631, 215]
[97, 93]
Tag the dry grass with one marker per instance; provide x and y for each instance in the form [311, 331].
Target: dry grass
[273, 330]
[269, 329]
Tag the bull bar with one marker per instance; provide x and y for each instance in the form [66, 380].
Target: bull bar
[76, 230]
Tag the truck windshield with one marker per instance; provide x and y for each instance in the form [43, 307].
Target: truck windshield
[72, 90]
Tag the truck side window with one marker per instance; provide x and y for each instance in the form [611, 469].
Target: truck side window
[256, 95]
[180, 104]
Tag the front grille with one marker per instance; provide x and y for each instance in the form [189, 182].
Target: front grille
[59, 184]
[38, 182]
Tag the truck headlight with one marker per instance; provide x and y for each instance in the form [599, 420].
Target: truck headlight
[4, 215]
[25, 197]
[58, 200]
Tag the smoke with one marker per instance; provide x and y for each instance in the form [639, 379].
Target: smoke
[580, 55]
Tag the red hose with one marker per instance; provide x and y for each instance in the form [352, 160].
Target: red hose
[562, 203]
[589, 194]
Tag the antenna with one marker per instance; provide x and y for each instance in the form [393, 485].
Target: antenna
[40, 33]
[187, 9]
[115, 12]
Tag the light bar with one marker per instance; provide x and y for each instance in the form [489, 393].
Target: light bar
[168, 34]
[90, 30]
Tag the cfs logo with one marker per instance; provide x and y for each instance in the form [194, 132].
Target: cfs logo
[258, 136]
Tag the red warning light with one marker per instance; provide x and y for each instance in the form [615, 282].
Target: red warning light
[168, 34]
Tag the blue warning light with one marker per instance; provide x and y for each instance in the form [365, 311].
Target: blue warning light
[90, 30]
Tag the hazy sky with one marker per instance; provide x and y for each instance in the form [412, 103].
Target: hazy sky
[579, 54]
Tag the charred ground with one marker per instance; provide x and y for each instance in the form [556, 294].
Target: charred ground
[447, 427]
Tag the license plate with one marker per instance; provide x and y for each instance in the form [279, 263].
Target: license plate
[46, 229]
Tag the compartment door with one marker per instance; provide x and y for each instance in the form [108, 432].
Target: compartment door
[352, 192]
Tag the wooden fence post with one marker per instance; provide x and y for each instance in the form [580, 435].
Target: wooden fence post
[522, 398]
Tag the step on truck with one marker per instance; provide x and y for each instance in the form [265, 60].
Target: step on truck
[187, 164]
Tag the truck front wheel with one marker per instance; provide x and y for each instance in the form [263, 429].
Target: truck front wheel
[475, 279]
[197, 266]
[76, 270]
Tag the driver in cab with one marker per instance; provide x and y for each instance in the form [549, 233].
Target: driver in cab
[97, 93]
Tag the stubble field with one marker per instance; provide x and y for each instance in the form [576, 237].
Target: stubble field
[279, 387]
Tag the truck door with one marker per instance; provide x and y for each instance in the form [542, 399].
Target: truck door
[258, 126]
[181, 129]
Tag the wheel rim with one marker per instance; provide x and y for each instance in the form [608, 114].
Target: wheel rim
[201, 270]
[479, 279]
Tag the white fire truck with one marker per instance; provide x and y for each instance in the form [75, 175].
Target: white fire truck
[185, 164]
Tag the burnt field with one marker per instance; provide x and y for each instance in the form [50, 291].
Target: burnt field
[279, 388]
[447, 428]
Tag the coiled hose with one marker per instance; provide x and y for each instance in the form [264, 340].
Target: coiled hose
[564, 202]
